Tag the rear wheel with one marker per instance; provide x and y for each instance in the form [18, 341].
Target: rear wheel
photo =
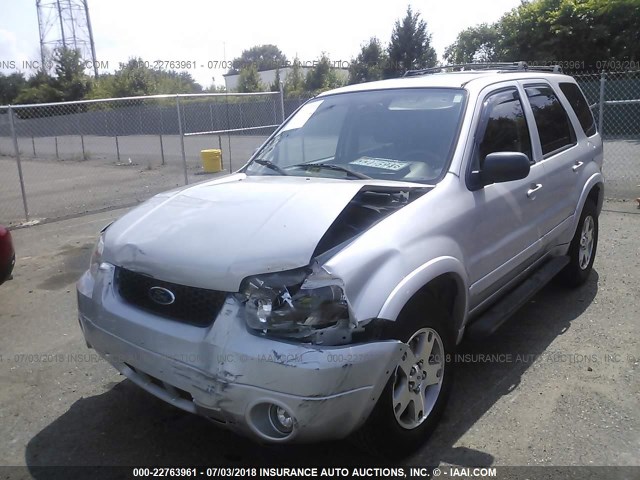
[416, 393]
[582, 251]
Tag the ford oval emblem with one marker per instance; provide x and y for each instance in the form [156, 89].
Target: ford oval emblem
[161, 296]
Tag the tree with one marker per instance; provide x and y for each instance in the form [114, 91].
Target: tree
[43, 93]
[249, 80]
[277, 83]
[582, 34]
[410, 46]
[475, 44]
[70, 81]
[11, 86]
[294, 84]
[322, 76]
[69, 84]
[103, 87]
[369, 64]
[213, 88]
[263, 57]
[176, 82]
[136, 78]
[133, 79]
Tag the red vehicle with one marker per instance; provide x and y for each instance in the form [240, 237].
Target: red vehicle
[7, 255]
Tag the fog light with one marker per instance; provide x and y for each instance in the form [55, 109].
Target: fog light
[280, 419]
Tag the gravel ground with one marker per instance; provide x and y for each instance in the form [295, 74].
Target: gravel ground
[557, 385]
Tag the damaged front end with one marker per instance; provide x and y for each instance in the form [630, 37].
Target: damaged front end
[368, 207]
[309, 304]
[282, 358]
[306, 304]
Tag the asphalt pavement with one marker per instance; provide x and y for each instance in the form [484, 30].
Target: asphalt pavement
[557, 385]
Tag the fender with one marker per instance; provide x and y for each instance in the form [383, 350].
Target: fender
[595, 179]
[418, 278]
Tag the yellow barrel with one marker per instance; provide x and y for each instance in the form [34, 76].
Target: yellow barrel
[211, 160]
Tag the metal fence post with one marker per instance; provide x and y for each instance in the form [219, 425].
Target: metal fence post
[228, 127]
[161, 130]
[181, 130]
[601, 106]
[16, 150]
[275, 111]
[118, 144]
[84, 153]
[282, 101]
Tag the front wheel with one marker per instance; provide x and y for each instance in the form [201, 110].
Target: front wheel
[582, 251]
[416, 393]
[417, 380]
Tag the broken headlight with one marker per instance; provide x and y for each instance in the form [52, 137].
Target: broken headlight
[96, 255]
[296, 304]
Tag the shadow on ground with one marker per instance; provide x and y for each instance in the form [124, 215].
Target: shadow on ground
[127, 426]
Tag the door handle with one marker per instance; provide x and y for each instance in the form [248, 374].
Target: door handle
[534, 188]
[577, 166]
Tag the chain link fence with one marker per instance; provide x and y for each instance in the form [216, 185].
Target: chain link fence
[64, 159]
[614, 98]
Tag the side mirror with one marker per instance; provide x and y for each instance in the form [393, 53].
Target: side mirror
[501, 167]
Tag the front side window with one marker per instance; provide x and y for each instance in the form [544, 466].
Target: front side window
[554, 127]
[400, 134]
[503, 127]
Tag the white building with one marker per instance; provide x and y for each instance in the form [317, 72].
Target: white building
[268, 77]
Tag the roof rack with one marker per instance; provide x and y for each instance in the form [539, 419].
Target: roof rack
[501, 66]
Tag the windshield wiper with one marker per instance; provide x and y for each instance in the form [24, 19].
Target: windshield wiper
[333, 166]
[271, 165]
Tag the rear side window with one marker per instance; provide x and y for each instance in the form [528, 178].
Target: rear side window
[505, 129]
[554, 127]
[580, 107]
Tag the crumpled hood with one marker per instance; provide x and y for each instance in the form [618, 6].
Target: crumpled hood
[215, 234]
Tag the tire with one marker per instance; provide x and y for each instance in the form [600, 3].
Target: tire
[582, 251]
[394, 428]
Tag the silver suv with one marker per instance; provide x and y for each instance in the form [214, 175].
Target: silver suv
[322, 288]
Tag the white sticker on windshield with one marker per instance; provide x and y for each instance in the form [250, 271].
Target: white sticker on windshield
[457, 98]
[382, 163]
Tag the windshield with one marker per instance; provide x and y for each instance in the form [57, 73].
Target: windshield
[403, 134]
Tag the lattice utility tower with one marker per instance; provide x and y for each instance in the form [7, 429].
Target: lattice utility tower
[66, 23]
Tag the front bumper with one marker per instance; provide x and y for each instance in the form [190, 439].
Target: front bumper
[231, 376]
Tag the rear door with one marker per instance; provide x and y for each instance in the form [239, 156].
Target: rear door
[558, 151]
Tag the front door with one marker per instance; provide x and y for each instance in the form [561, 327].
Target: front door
[502, 234]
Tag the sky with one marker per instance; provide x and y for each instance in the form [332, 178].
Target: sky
[208, 32]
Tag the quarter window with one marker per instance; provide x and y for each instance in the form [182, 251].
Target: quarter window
[580, 107]
[554, 127]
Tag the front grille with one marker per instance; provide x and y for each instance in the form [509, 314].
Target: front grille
[196, 306]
